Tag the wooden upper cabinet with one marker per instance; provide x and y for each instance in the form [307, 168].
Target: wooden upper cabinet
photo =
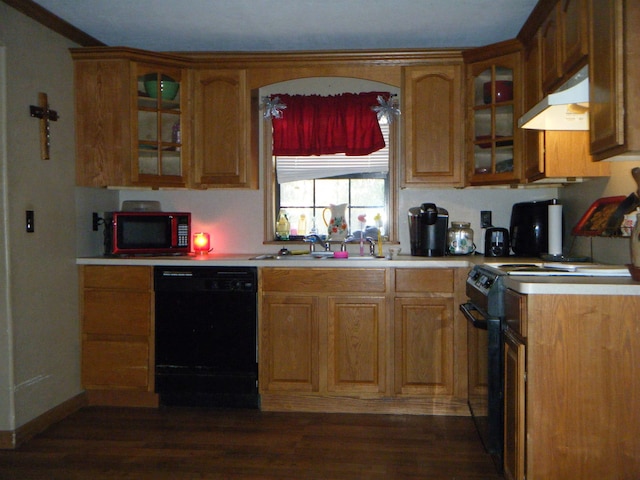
[494, 103]
[614, 67]
[432, 113]
[553, 154]
[103, 122]
[574, 45]
[158, 127]
[564, 42]
[532, 94]
[225, 155]
[550, 63]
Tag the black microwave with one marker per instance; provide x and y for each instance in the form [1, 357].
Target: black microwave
[147, 233]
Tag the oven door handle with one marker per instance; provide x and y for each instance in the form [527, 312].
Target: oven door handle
[474, 315]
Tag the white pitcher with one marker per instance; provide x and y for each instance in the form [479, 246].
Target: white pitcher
[337, 225]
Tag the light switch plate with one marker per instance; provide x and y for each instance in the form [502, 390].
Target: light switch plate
[30, 221]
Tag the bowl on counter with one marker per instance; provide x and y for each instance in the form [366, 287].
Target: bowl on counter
[634, 271]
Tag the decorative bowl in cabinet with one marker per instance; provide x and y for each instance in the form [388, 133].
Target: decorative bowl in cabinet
[168, 87]
[504, 91]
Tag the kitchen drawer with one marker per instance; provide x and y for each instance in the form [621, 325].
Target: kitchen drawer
[515, 311]
[322, 280]
[424, 280]
[111, 312]
[118, 277]
[115, 364]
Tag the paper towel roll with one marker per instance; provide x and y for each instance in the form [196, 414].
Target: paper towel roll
[555, 229]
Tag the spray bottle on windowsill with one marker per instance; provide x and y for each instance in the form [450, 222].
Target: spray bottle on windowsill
[378, 220]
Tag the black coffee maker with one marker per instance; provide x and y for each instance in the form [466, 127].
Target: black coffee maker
[428, 226]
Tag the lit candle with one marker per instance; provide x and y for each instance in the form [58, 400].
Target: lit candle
[201, 243]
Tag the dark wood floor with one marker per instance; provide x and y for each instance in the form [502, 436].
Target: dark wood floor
[186, 443]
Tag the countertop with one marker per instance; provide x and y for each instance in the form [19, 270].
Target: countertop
[249, 260]
[555, 285]
[524, 284]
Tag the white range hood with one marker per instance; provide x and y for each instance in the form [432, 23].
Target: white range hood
[566, 109]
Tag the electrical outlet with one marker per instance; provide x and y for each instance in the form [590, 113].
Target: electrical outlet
[95, 221]
[485, 218]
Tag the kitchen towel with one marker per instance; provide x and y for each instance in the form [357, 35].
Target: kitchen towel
[555, 229]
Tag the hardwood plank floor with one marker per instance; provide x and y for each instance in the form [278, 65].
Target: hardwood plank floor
[189, 443]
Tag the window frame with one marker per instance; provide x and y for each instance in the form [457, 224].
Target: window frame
[271, 188]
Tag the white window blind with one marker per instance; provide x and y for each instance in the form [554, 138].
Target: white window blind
[291, 169]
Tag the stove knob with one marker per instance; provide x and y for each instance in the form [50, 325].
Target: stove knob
[488, 283]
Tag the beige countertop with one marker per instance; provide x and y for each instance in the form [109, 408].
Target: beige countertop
[560, 285]
[251, 260]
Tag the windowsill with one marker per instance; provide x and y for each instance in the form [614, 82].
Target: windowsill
[332, 242]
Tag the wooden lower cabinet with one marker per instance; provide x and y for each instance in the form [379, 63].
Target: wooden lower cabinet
[514, 407]
[572, 389]
[356, 347]
[424, 359]
[289, 343]
[347, 340]
[117, 335]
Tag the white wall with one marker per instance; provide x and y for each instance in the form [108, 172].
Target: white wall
[39, 344]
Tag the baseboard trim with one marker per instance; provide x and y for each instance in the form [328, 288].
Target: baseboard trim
[10, 440]
[424, 405]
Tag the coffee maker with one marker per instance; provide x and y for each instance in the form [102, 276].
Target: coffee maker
[428, 226]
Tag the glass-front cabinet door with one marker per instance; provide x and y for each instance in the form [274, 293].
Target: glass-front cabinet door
[158, 150]
[493, 145]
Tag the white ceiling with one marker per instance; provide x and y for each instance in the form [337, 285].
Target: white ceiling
[280, 25]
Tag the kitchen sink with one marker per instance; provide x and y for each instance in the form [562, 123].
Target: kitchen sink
[312, 256]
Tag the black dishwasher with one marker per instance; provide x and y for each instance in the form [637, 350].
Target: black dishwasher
[205, 336]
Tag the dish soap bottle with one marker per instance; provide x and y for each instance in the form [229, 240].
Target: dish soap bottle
[282, 226]
[302, 224]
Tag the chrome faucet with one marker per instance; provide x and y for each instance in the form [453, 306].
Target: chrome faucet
[313, 239]
[352, 239]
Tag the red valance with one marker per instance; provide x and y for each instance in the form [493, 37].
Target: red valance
[317, 125]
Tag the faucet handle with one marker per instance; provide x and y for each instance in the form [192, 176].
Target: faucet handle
[372, 245]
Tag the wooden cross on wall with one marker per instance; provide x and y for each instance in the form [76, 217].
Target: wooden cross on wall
[45, 115]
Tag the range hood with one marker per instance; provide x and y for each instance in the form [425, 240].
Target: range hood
[566, 109]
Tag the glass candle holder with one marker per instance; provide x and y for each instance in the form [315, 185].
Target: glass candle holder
[201, 243]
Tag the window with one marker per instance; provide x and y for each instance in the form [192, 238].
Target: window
[314, 194]
[308, 185]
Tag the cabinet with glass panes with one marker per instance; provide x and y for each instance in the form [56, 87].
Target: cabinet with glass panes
[493, 143]
[130, 116]
[159, 158]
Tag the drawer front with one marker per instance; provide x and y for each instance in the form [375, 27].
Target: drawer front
[515, 311]
[322, 280]
[118, 277]
[424, 280]
[115, 364]
[117, 313]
